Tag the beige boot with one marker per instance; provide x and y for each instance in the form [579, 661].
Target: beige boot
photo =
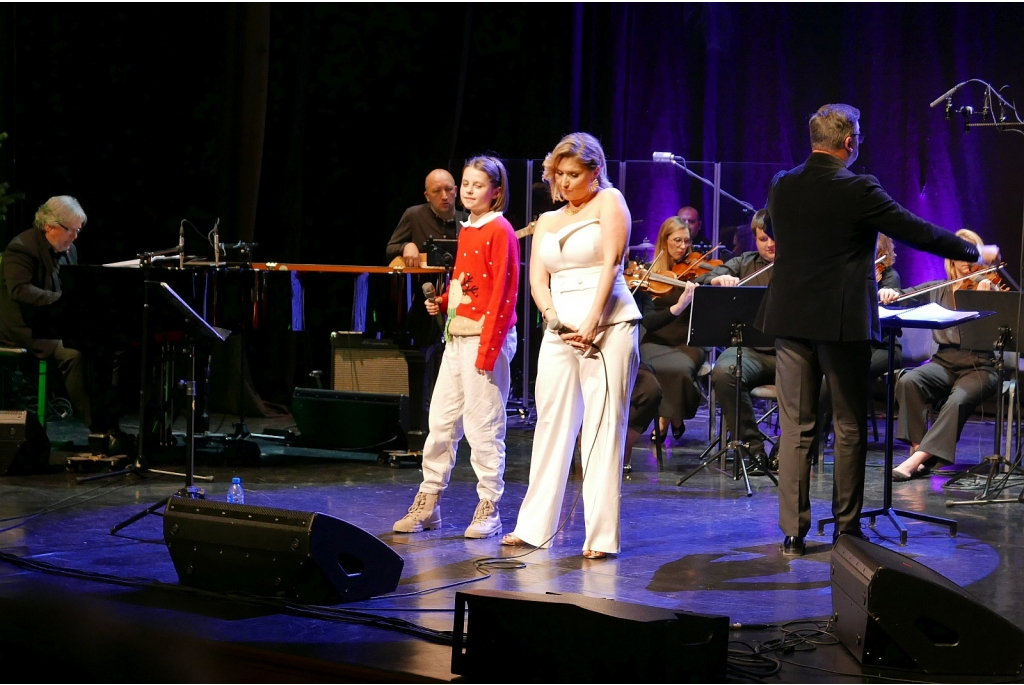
[424, 514]
[486, 521]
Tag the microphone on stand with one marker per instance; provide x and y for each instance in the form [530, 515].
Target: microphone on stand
[430, 294]
[667, 157]
[216, 243]
[181, 246]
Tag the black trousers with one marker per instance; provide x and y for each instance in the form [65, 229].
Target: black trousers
[758, 369]
[800, 366]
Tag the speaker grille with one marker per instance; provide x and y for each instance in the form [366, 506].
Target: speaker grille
[370, 370]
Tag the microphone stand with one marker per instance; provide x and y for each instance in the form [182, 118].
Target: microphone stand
[746, 205]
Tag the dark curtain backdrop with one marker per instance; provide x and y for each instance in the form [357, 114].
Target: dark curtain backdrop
[310, 128]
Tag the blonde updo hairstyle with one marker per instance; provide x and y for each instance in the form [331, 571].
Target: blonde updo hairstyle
[585, 149]
[970, 236]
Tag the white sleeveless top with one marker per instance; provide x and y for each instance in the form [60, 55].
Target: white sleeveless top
[573, 256]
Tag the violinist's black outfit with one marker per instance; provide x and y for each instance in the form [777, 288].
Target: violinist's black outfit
[822, 306]
[758, 362]
[963, 378]
[663, 347]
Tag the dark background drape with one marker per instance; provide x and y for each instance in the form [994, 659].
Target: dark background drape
[309, 128]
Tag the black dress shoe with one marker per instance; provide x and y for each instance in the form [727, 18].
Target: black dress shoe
[853, 533]
[793, 546]
[677, 432]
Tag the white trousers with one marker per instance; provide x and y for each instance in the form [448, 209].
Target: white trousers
[468, 402]
[591, 391]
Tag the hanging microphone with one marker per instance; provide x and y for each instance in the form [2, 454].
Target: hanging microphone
[666, 157]
[967, 111]
[216, 243]
[430, 294]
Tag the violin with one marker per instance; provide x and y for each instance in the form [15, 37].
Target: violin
[696, 264]
[971, 283]
[655, 283]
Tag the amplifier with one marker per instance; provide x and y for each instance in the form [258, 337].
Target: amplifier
[353, 421]
[24, 446]
[367, 365]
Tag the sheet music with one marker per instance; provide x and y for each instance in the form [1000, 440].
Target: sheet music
[927, 312]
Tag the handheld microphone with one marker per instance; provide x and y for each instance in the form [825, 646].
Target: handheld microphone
[666, 157]
[556, 326]
[430, 294]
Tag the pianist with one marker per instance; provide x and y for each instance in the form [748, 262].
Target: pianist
[29, 282]
[436, 219]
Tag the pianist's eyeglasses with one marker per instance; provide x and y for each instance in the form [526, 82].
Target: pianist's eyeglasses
[73, 231]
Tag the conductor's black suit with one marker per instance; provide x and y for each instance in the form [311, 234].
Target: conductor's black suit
[822, 306]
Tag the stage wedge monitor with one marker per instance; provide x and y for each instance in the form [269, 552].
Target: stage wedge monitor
[298, 555]
[571, 638]
[24, 446]
[891, 611]
[354, 421]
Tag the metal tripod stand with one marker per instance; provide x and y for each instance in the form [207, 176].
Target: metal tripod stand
[736, 446]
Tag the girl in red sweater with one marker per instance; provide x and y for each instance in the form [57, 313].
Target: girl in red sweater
[472, 385]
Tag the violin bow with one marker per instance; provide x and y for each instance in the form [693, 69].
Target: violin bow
[646, 277]
[756, 274]
[704, 256]
[979, 272]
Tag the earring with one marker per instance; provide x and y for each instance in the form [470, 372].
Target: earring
[594, 185]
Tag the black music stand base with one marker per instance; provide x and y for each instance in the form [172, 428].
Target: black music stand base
[196, 328]
[737, 447]
[887, 509]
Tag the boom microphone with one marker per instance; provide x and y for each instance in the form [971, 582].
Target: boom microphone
[666, 157]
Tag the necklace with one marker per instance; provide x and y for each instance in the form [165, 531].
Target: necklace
[569, 211]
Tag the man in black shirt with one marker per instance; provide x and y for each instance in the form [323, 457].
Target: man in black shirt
[822, 308]
[436, 219]
[29, 283]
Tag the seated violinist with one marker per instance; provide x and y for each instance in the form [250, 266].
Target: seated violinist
[963, 378]
[666, 323]
[758, 362]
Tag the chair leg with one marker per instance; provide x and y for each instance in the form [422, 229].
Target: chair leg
[658, 446]
[41, 397]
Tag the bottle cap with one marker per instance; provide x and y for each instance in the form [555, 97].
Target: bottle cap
[236, 480]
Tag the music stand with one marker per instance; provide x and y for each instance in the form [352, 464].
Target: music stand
[996, 333]
[916, 317]
[196, 329]
[724, 317]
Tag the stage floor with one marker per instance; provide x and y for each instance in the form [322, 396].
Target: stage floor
[701, 547]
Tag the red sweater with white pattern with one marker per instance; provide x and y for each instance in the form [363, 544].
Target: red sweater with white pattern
[487, 264]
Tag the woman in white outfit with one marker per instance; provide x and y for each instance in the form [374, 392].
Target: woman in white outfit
[585, 371]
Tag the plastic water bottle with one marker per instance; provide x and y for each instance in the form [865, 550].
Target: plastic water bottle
[236, 495]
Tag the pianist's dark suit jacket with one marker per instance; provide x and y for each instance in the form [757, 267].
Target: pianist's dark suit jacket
[29, 280]
[825, 221]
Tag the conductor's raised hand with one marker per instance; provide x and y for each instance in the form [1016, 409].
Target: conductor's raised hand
[989, 254]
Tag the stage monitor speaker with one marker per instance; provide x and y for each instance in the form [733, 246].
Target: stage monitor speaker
[24, 447]
[366, 365]
[892, 611]
[354, 421]
[572, 638]
[299, 555]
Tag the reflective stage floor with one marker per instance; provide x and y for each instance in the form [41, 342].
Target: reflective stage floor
[701, 547]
